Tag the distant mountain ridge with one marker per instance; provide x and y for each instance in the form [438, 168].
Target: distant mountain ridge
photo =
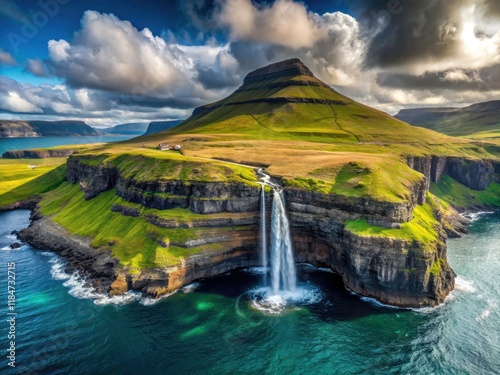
[482, 118]
[18, 129]
[159, 126]
[130, 128]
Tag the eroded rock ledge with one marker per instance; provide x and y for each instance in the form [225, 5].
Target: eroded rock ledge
[394, 271]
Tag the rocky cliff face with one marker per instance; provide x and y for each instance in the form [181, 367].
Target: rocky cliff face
[394, 271]
[475, 174]
[159, 126]
[290, 67]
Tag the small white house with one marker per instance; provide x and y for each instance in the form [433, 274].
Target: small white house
[177, 147]
[163, 147]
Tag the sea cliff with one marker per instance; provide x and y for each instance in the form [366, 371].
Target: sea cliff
[400, 271]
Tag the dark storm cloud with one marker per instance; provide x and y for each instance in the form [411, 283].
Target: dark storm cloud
[153, 102]
[251, 56]
[213, 79]
[486, 79]
[492, 7]
[411, 30]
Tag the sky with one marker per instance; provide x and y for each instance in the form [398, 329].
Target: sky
[109, 62]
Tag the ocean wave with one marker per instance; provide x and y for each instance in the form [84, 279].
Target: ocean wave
[79, 288]
[190, 287]
[473, 216]
[148, 301]
[377, 303]
[492, 305]
[373, 301]
[464, 285]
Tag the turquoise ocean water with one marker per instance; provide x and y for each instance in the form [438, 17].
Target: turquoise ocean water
[7, 144]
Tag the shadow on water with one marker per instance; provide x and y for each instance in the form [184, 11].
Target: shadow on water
[336, 304]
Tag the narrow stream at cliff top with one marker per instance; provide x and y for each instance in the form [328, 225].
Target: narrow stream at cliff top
[212, 327]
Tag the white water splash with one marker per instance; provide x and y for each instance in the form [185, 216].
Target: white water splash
[264, 299]
[79, 288]
[492, 305]
[464, 285]
[473, 216]
[190, 288]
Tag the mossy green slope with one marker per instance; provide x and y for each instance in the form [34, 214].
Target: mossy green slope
[132, 240]
[479, 121]
[462, 197]
[28, 185]
[297, 106]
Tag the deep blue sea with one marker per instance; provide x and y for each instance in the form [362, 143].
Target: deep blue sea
[7, 144]
[213, 327]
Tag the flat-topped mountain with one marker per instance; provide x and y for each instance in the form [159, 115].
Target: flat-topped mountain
[481, 120]
[290, 67]
[14, 129]
[286, 101]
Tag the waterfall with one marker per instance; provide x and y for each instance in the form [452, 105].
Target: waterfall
[283, 275]
[263, 231]
[282, 263]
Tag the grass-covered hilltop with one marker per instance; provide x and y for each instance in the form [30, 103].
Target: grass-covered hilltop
[368, 195]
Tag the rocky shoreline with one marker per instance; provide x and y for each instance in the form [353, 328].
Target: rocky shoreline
[107, 276]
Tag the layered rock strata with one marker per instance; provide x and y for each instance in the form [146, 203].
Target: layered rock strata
[394, 271]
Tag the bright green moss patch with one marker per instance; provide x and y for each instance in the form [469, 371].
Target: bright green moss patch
[437, 266]
[17, 172]
[132, 240]
[421, 228]
[311, 184]
[462, 197]
[31, 187]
